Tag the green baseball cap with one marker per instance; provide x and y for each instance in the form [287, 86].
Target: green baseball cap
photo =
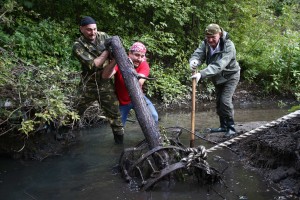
[212, 29]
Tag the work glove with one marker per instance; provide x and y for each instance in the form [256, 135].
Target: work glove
[107, 43]
[197, 76]
[193, 64]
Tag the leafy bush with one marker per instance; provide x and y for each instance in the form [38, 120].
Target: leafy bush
[41, 75]
[167, 88]
[270, 52]
[37, 79]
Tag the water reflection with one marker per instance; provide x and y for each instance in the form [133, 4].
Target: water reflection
[85, 170]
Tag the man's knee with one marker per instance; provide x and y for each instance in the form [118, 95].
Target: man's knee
[155, 117]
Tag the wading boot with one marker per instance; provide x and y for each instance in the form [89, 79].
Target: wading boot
[118, 137]
[222, 127]
[230, 127]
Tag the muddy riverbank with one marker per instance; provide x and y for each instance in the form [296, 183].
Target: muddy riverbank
[274, 153]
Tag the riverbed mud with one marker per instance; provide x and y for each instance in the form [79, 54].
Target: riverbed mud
[273, 152]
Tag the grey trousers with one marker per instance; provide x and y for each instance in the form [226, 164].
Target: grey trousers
[224, 94]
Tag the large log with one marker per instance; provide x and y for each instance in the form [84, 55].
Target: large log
[143, 115]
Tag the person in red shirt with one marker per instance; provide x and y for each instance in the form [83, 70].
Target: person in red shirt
[137, 54]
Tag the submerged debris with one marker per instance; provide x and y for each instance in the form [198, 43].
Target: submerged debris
[143, 166]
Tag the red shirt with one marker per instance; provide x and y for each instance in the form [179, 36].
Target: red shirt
[120, 86]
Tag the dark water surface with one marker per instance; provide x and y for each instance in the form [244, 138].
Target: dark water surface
[85, 170]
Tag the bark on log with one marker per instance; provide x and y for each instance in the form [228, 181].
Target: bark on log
[143, 115]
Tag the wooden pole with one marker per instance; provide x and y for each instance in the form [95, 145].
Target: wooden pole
[144, 117]
[192, 137]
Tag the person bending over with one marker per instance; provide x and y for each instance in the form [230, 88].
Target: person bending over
[218, 52]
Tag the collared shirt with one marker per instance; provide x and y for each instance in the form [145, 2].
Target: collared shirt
[217, 49]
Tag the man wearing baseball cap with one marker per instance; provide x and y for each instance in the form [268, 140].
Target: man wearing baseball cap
[91, 52]
[218, 52]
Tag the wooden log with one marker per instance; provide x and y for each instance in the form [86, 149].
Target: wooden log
[143, 115]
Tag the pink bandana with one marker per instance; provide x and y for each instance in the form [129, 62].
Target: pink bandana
[138, 46]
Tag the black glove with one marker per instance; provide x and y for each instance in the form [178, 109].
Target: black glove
[107, 43]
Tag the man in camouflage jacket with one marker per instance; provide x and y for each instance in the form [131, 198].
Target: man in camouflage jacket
[219, 54]
[91, 52]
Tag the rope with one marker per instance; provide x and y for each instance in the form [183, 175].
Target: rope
[266, 126]
[194, 154]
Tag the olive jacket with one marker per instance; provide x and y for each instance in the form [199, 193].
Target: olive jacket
[86, 52]
[222, 65]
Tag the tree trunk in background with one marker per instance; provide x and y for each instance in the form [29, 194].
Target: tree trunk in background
[143, 115]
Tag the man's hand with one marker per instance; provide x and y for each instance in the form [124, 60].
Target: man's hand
[99, 61]
[197, 76]
[193, 64]
[107, 43]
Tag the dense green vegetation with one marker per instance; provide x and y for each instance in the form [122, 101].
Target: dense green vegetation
[39, 75]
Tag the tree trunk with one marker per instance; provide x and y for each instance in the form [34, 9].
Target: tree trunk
[143, 115]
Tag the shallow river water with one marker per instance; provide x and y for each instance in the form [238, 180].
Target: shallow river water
[85, 170]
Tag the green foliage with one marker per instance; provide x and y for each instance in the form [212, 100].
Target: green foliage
[171, 81]
[41, 73]
[40, 87]
[286, 66]
[166, 46]
[294, 108]
[169, 88]
[46, 38]
[41, 94]
[270, 51]
[6, 7]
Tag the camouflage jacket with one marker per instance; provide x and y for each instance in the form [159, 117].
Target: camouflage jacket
[86, 52]
[222, 65]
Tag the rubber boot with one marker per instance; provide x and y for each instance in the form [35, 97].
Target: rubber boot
[118, 137]
[222, 128]
[230, 127]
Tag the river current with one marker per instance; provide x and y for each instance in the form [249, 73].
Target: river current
[85, 170]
